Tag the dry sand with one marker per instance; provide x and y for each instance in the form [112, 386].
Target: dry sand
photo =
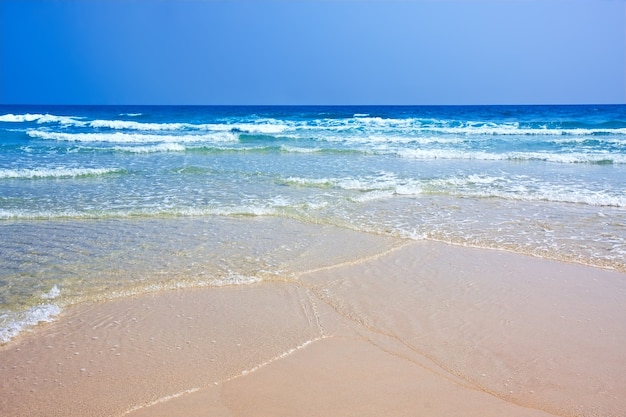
[425, 330]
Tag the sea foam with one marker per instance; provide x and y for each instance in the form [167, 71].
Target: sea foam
[41, 118]
[60, 172]
[55, 172]
[162, 147]
[120, 137]
[12, 324]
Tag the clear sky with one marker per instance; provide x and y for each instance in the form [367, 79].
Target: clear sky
[312, 52]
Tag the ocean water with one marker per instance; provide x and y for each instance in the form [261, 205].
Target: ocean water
[101, 202]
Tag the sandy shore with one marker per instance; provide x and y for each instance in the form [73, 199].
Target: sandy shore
[425, 330]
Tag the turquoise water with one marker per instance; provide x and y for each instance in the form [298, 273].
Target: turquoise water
[97, 202]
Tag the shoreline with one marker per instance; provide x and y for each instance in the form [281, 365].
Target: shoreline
[426, 326]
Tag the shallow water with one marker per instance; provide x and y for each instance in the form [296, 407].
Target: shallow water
[101, 202]
[49, 264]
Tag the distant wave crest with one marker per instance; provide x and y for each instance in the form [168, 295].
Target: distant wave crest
[357, 123]
[41, 118]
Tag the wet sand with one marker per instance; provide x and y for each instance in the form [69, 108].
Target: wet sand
[424, 330]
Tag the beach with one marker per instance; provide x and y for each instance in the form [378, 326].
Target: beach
[357, 208]
[312, 260]
[423, 328]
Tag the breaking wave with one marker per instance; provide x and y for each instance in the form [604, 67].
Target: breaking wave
[56, 172]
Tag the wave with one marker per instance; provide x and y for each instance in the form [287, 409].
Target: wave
[308, 182]
[358, 123]
[119, 137]
[268, 127]
[546, 192]
[154, 143]
[174, 147]
[52, 294]
[564, 158]
[263, 126]
[521, 189]
[14, 323]
[297, 149]
[56, 172]
[373, 195]
[370, 145]
[132, 125]
[420, 126]
[270, 207]
[273, 127]
[41, 118]
[384, 181]
[508, 131]
[161, 147]
[387, 185]
[514, 129]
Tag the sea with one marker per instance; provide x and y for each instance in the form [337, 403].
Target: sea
[99, 202]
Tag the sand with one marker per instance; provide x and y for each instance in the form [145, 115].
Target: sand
[424, 330]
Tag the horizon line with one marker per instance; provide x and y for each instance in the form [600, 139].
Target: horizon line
[307, 105]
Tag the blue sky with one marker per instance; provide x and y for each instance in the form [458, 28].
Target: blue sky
[312, 52]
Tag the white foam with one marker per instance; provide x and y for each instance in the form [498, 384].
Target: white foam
[241, 210]
[362, 184]
[236, 279]
[52, 294]
[386, 185]
[295, 149]
[563, 194]
[469, 180]
[418, 126]
[232, 279]
[447, 154]
[55, 172]
[567, 158]
[119, 137]
[384, 181]
[564, 158]
[373, 195]
[524, 189]
[264, 128]
[64, 120]
[359, 122]
[307, 182]
[132, 125]
[42, 214]
[161, 147]
[41, 118]
[19, 118]
[487, 128]
[268, 126]
[13, 324]
[408, 189]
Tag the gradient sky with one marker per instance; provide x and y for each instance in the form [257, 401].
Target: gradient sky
[312, 52]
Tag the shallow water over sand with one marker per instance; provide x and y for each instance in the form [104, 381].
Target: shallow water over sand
[52, 264]
[426, 326]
